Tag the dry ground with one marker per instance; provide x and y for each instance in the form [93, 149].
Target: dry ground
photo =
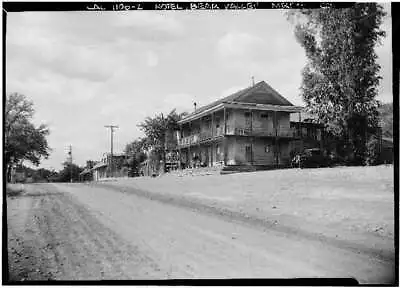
[352, 203]
[288, 223]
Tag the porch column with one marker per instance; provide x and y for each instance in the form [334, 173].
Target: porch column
[189, 153]
[224, 121]
[275, 139]
[225, 146]
[251, 138]
[179, 147]
[212, 125]
[212, 139]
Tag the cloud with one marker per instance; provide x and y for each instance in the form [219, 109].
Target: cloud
[38, 48]
[55, 88]
[239, 44]
[149, 20]
[233, 89]
[180, 101]
[152, 59]
[113, 106]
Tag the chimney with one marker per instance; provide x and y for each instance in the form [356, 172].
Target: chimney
[194, 106]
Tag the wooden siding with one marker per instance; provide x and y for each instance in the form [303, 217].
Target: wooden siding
[284, 153]
[283, 120]
[259, 124]
[263, 152]
[263, 121]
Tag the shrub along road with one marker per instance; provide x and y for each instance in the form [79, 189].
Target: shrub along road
[79, 231]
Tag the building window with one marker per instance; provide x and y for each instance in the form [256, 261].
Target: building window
[264, 116]
[247, 114]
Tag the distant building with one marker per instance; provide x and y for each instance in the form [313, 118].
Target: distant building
[99, 171]
[102, 169]
[308, 131]
[86, 175]
[386, 151]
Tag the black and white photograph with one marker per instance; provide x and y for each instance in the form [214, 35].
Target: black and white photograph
[199, 141]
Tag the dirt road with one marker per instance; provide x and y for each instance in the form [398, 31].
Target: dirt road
[78, 231]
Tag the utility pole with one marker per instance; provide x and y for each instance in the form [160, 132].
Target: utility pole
[112, 127]
[70, 161]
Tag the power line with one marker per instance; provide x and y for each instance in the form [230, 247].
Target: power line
[112, 127]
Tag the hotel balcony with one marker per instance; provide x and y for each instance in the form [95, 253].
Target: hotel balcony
[201, 137]
[261, 132]
[205, 136]
[188, 141]
[286, 133]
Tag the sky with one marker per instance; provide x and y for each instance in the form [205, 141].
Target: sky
[84, 70]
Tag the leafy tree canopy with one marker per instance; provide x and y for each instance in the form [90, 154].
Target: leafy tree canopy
[341, 77]
[23, 141]
[70, 171]
[156, 128]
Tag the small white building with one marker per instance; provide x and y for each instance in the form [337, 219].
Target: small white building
[99, 171]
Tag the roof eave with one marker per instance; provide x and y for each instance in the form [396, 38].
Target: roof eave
[250, 106]
[99, 166]
[266, 107]
[195, 115]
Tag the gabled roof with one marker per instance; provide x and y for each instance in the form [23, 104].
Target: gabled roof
[99, 165]
[260, 93]
[86, 171]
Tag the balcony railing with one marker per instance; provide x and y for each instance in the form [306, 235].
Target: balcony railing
[189, 140]
[286, 132]
[263, 132]
[273, 132]
[205, 135]
[239, 131]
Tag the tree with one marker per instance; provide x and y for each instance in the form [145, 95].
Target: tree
[136, 155]
[341, 77]
[23, 141]
[156, 128]
[70, 171]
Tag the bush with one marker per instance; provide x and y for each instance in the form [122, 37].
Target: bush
[372, 152]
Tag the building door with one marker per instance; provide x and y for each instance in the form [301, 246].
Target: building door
[277, 153]
[247, 117]
[248, 153]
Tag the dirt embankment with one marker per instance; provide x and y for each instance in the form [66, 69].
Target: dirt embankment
[345, 206]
